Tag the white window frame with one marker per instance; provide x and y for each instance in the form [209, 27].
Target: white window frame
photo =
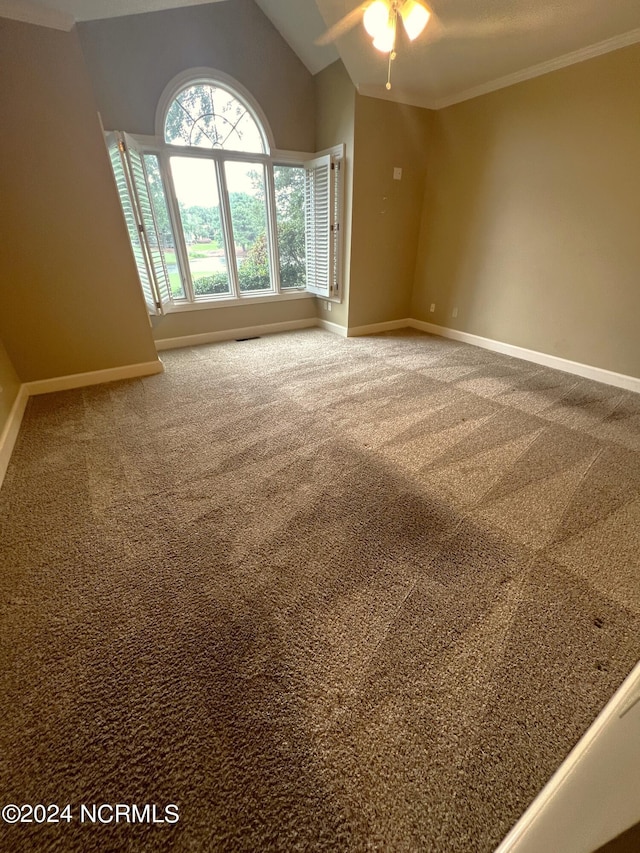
[329, 165]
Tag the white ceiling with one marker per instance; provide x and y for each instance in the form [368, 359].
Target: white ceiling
[301, 24]
[469, 47]
[473, 46]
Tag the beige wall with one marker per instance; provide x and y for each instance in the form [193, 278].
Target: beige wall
[131, 60]
[69, 297]
[223, 318]
[335, 97]
[531, 219]
[386, 212]
[9, 386]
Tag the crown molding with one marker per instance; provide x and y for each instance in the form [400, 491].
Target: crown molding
[400, 96]
[30, 12]
[602, 47]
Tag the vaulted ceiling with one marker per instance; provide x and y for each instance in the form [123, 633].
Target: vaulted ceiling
[468, 48]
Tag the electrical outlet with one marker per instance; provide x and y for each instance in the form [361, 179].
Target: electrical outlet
[328, 306]
[433, 307]
[454, 313]
[397, 173]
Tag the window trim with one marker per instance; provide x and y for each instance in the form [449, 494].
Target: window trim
[211, 76]
[163, 151]
[222, 300]
[270, 159]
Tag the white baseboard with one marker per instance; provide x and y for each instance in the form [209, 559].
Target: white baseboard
[93, 377]
[11, 429]
[335, 328]
[63, 383]
[594, 795]
[598, 374]
[233, 334]
[79, 380]
[376, 328]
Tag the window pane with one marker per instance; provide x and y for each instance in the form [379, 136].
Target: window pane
[245, 183]
[289, 183]
[209, 116]
[167, 244]
[196, 188]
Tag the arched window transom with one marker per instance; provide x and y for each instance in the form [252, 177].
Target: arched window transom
[208, 116]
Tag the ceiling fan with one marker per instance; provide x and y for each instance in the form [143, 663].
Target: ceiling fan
[380, 19]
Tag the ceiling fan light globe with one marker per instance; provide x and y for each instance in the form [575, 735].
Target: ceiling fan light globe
[376, 18]
[385, 39]
[414, 17]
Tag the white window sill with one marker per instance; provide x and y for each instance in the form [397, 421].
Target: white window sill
[226, 301]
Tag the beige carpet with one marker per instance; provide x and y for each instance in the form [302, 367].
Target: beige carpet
[322, 594]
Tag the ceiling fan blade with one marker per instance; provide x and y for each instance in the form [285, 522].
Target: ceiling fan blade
[342, 26]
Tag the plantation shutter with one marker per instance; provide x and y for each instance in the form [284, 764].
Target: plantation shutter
[131, 182]
[128, 209]
[336, 224]
[323, 207]
[317, 220]
[148, 219]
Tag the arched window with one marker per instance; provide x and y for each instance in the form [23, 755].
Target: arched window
[208, 116]
[214, 213]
